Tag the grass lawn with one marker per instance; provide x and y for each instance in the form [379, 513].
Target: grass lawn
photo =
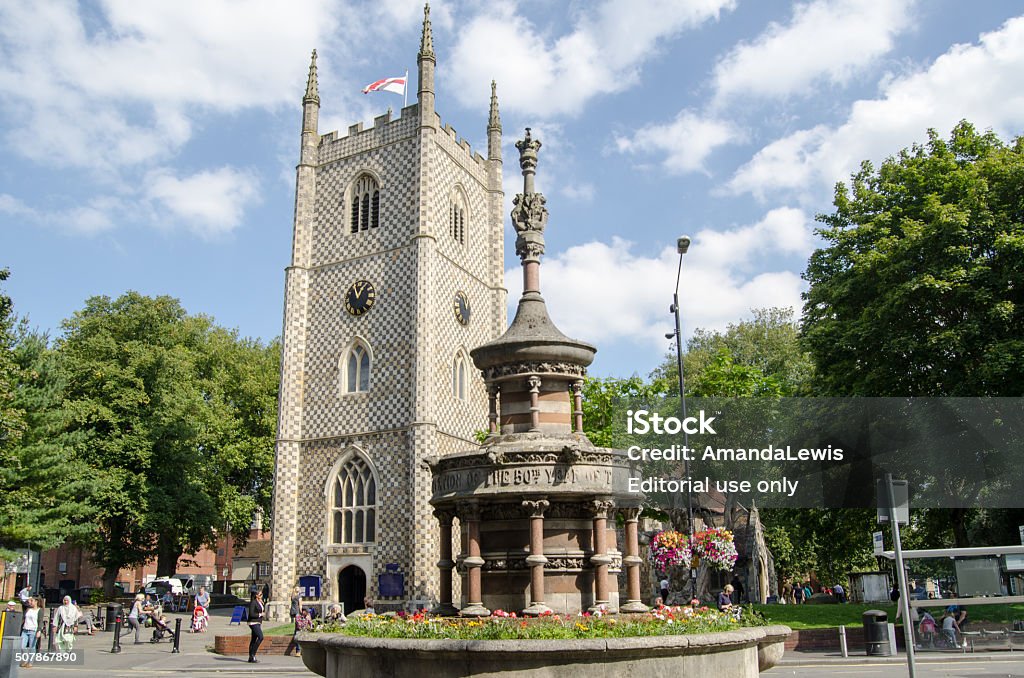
[282, 630]
[830, 616]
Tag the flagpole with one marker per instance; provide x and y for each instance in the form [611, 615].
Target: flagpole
[406, 91]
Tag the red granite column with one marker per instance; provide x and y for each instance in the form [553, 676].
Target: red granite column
[446, 564]
[577, 403]
[536, 559]
[534, 383]
[492, 406]
[600, 558]
[632, 562]
[470, 515]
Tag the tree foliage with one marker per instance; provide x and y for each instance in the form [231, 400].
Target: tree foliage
[918, 290]
[175, 418]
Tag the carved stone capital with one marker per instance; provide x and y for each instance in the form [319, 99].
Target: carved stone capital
[601, 507]
[534, 383]
[630, 513]
[444, 516]
[468, 511]
[536, 507]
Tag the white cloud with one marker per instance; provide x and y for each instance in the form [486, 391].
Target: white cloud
[582, 192]
[209, 203]
[94, 217]
[551, 75]
[983, 83]
[629, 294]
[117, 84]
[686, 142]
[830, 40]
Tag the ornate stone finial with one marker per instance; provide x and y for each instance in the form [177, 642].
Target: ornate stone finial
[494, 121]
[427, 39]
[312, 92]
[529, 215]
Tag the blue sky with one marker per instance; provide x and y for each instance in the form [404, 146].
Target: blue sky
[151, 145]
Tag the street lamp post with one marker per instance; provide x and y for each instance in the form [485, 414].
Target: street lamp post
[682, 245]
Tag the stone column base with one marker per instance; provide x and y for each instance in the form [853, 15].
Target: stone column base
[634, 607]
[445, 610]
[474, 610]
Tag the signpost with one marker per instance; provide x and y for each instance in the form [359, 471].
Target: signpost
[897, 510]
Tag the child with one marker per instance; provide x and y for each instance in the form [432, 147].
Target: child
[200, 619]
[949, 628]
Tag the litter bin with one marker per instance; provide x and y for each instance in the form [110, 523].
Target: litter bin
[113, 614]
[876, 633]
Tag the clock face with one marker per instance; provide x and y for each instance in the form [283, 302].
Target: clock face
[461, 305]
[360, 297]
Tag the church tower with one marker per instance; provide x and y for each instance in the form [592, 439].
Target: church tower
[396, 275]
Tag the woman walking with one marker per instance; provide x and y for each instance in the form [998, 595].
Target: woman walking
[133, 616]
[255, 625]
[66, 621]
[30, 630]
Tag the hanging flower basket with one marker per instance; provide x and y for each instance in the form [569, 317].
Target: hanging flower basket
[669, 548]
[716, 548]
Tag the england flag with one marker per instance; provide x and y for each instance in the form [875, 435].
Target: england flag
[396, 85]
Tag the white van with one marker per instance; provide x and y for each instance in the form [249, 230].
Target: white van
[176, 586]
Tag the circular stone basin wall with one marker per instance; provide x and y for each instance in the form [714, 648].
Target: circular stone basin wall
[731, 654]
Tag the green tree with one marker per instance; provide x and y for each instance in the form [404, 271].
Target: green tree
[175, 417]
[917, 290]
[760, 356]
[12, 426]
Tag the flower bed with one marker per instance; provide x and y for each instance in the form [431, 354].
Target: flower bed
[664, 621]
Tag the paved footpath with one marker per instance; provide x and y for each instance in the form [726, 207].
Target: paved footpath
[196, 658]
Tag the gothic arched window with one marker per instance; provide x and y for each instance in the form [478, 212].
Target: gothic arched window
[354, 504]
[458, 215]
[355, 368]
[459, 389]
[365, 202]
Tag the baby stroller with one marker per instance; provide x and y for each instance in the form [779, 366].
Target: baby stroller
[200, 619]
[161, 629]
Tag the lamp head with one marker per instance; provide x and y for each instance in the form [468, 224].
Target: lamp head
[683, 244]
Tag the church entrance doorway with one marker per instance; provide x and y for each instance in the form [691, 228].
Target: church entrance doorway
[351, 588]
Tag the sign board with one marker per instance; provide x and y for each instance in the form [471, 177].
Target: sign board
[1014, 562]
[901, 497]
[310, 586]
[391, 584]
[878, 542]
[239, 614]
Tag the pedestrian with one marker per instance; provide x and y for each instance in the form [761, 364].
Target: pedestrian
[134, 616]
[797, 594]
[29, 630]
[787, 594]
[367, 606]
[664, 588]
[839, 592]
[24, 594]
[725, 599]
[294, 610]
[203, 598]
[959, 613]
[737, 587]
[255, 625]
[65, 622]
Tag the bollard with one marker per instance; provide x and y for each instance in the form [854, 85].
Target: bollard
[50, 631]
[116, 649]
[177, 635]
[842, 640]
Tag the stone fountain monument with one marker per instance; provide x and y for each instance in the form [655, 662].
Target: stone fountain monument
[537, 502]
